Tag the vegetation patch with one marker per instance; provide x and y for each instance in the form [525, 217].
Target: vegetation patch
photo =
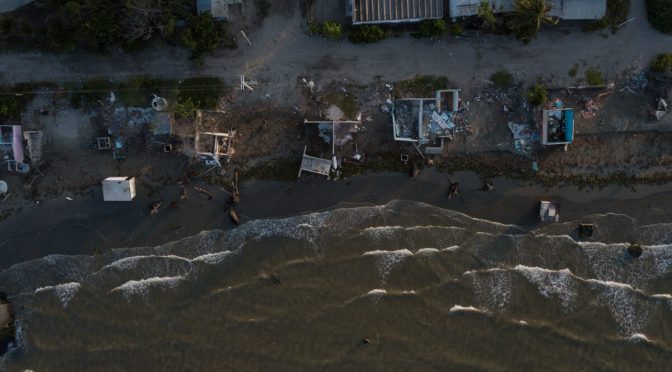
[502, 79]
[367, 34]
[420, 86]
[347, 102]
[617, 13]
[279, 169]
[11, 105]
[329, 29]
[659, 13]
[431, 28]
[203, 35]
[662, 63]
[263, 8]
[537, 95]
[528, 17]
[574, 70]
[594, 77]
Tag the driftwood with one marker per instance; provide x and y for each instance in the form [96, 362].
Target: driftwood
[154, 208]
[204, 191]
[236, 193]
[234, 216]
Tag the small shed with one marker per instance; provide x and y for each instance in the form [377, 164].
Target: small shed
[119, 189]
[548, 211]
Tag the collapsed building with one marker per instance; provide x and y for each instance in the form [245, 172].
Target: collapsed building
[337, 134]
[426, 122]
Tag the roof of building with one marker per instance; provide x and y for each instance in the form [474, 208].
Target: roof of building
[565, 9]
[118, 188]
[218, 8]
[578, 9]
[393, 11]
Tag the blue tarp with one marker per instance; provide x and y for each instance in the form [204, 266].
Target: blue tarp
[569, 126]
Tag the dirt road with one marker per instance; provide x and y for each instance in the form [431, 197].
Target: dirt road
[282, 51]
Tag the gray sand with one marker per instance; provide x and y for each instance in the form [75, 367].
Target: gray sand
[87, 225]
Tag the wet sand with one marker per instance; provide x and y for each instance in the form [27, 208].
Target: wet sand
[87, 225]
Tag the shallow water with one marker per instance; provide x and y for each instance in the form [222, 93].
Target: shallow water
[429, 288]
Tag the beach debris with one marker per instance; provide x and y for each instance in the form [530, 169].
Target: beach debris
[415, 170]
[236, 193]
[154, 208]
[366, 341]
[548, 211]
[489, 186]
[635, 250]
[453, 189]
[204, 191]
[234, 216]
[3, 187]
[661, 109]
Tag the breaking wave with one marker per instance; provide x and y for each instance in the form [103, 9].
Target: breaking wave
[272, 277]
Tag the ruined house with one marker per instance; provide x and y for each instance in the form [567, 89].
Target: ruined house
[426, 122]
[219, 9]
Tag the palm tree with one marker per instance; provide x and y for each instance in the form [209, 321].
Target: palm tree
[528, 17]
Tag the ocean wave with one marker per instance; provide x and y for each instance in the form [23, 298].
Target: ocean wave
[64, 292]
[560, 283]
[387, 260]
[465, 309]
[212, 258]
[143, 286]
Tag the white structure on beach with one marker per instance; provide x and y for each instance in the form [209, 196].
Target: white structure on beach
[119, 189]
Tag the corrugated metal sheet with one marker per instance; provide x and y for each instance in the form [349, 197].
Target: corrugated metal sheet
[392, 11]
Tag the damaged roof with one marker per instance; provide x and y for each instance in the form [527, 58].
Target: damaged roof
[392, 11]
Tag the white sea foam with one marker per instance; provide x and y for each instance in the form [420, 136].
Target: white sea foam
[492, 288]
[522, 322]
[212, 258]
[464, 309]
[129, 263]
[639, 337]
[427, 251]
[64, 292]
[452, 248]
[376, 294]
[549, 283]
[386, 260]
[630, 314]
[142, 287]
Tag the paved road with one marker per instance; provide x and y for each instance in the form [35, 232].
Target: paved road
[282, 51]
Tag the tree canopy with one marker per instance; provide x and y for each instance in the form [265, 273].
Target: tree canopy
[527, 18]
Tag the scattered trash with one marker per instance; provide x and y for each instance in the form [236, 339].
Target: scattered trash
[154, 208]
[234, 217]
[3, 187]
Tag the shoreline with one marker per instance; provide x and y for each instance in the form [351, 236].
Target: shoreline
[87, 225]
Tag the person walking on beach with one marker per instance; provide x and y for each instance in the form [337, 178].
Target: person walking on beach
[453, 189]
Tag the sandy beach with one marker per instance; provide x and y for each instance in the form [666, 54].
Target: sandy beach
[87, 225]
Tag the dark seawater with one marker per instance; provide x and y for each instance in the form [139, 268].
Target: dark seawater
[432, 289]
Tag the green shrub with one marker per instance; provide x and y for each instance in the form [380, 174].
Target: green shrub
[263, 8]
[574, 70]
[314, 28]
[420, 86]
[204, 92]
[11, 105]
[332, 30]
[594, 77]
[183, 108]
[487, 15]
[367, 34]
[662, 63]
[6, 27]
[203, 35]
[456, 29]
[502, 79]
[659, 13]
[431, 28]
[537, 95]
[617, 13]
